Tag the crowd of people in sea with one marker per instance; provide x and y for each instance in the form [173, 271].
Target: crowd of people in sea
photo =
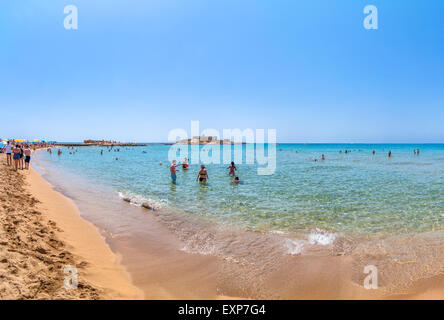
[202, 175]
[19, 155]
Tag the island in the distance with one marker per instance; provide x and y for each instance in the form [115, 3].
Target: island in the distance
[203, 139]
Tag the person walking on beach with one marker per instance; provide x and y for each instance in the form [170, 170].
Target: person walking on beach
[232, 168]
[27, 153]
[173, 167]
[16, 156]
[8, 151]
[202, 176]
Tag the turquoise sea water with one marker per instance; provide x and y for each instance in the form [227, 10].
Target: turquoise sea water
[355, 193]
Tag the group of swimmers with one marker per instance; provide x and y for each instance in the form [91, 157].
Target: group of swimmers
[19, 154]
[202, 175]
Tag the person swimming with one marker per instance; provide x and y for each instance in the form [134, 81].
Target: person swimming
[232, 168]
[202, 175]
[236, 180]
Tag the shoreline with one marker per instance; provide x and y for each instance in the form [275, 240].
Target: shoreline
[44, 234]
[104, 269]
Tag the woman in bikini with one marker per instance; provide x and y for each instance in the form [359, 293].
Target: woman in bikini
[202, 176]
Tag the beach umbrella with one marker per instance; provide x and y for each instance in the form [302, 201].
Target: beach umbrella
[4, 142]
[36, 140]
[19, 140]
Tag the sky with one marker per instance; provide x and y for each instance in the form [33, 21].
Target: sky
[136, 69]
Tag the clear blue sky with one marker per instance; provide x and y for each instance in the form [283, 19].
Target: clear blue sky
[135, 69]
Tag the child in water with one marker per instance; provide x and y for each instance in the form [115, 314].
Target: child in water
[232, 168]
[237, 180]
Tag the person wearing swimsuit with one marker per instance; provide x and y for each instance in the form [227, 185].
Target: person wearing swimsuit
[232, 168]
[27, 153]
[16, 157]
[21, 157]
[202, 176]
[185, 164]
[173, 167]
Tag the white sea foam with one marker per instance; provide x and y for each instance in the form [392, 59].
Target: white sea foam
[321, 237]
[139, 201]
[295, 246]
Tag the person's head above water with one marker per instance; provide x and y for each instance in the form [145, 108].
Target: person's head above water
[237, 178]
[202, 166]
[232, 163]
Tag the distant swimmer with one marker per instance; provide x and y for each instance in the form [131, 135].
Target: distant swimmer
[173, 167]
[202, 176]
[414, 151]
[59, 152]
[323, 157]
[373, 152]
[417, 152]
[101, 152]
[340, 151]
[232, 168]
[390, 154]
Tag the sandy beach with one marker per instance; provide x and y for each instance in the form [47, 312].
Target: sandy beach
[43, 233]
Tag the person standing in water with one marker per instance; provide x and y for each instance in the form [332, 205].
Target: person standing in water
[185, 164]
[323, 157]
[232, 168]
[202, 176]
[173, 167]
[390, 154]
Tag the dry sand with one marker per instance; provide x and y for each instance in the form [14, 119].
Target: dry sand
[42, 232]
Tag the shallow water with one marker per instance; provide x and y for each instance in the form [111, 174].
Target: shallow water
[355, 193]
